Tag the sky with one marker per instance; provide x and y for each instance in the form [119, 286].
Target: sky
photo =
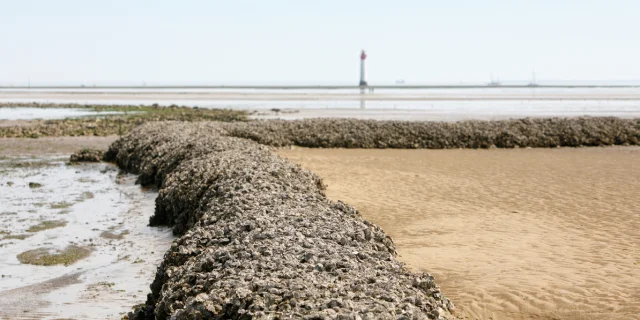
[316, 42]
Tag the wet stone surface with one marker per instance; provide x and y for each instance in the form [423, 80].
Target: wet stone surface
[53, 255]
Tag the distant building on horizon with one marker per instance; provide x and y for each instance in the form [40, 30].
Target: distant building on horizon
[363, 72]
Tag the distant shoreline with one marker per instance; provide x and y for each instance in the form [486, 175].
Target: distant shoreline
[320, 87]
[152, 96]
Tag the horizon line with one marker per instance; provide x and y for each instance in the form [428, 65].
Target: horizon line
[302, 86]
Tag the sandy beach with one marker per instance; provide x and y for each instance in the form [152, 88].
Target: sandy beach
[508, 234]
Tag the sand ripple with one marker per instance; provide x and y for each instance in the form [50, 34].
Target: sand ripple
[509, 234]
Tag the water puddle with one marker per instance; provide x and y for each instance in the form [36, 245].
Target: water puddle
[74, 240]
[24, 113]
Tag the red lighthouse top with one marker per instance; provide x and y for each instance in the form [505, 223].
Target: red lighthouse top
[363, 55]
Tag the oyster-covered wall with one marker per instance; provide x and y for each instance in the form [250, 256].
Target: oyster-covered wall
[258, 239]
[353, 133]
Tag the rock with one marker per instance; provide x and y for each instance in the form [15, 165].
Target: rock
[87, 155]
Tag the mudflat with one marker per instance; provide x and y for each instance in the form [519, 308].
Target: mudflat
[508, 234]
[10, 147]
[74, 239]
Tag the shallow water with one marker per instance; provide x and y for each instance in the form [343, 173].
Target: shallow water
[91, 199]
[453, 110]
[396, 104]
[49, 113]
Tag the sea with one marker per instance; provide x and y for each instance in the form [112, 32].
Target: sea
[388, 103]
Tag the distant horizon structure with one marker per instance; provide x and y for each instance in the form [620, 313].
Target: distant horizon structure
[533, 82]
[363, 72]
[494, 82]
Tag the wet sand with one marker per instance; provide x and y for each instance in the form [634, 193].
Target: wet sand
[508, 234]
[11, 147]
[89, 206]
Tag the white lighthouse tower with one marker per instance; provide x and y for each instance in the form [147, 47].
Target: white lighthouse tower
[363, 71]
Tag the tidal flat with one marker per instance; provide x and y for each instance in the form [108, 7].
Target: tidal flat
[79, 229]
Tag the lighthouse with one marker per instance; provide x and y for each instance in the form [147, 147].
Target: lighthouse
[363, 73]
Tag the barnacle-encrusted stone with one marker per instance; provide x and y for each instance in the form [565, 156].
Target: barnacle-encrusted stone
[353, 133]
[87, 155]
[258, 238]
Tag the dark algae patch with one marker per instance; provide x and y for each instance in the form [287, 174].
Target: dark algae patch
[87, 195]
[49, 256]
[87, 180]
[45, 225]
[113, 236]
[112, 124]
[16, 237]
[60, 205]
[35, 185]
[30, 164]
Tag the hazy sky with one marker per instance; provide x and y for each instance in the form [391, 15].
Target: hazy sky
[304, 42]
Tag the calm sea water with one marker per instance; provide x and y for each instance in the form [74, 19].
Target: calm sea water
[399, 104]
